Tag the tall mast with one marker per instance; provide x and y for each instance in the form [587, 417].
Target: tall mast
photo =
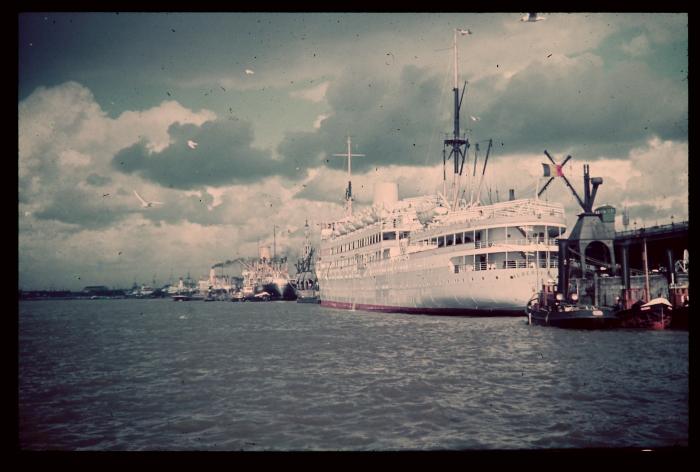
[348, 191]
[456, 143]
[307, 240]
[456, 72]
[274, 242]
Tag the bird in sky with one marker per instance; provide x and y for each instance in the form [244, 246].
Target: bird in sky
[144, 203]
[475, 118]
[192, 144]
[532, 17]
[249, 72]
[464, 31]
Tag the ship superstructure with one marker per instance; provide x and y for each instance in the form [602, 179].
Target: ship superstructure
[268, 273]
[445, 253]
[416, 255]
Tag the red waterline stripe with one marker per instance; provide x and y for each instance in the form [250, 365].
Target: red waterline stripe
[422, 310]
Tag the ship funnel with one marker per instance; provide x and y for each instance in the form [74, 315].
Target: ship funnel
[212, 276]
[386, 194]
[264, 252]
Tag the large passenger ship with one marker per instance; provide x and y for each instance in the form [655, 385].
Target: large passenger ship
[445, 253]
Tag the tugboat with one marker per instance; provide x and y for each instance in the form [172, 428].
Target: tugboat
[260, 297]
[245, 293]
[552, 309]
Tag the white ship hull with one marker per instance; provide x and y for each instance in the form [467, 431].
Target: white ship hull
[437, 291]
[487, 261]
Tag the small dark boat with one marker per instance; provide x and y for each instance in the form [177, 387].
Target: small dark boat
[655, 314]
[181, 298]
[308, 296]
[308, 299]
[258, 297]
[550, 308]
[565, 315]
[679, 320]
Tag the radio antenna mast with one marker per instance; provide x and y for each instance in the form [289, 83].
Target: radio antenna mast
[348, 191]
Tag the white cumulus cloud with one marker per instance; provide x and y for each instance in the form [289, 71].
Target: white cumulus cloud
[315, 94]
[637, 46]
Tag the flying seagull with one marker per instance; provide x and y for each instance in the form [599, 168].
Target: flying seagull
[191, 144]
[463, 32]
[144, 203]
[249, 72]
[532, 17]
[475, 118]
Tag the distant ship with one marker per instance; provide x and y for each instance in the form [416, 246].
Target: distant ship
[306, 280]
[446, 253]
[217, 288]
[267, 274]
[144, 291]
[185, 290]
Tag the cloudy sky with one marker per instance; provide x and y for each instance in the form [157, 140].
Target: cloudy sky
[107, 103]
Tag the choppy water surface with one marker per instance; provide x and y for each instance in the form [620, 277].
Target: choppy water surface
[161, 375]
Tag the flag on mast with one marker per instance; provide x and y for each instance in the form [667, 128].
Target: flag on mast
[547, 171]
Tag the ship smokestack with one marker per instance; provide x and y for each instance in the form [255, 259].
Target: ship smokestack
[386, 194]
[264, 252]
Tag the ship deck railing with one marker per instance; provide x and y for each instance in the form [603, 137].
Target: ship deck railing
[512, 264]
[522, 207]
[515, 242]
[382, 265]
[498, 245]
[493, 243]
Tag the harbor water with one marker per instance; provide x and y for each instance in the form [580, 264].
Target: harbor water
[282, 376]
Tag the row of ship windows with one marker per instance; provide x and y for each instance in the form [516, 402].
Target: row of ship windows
[462, 266]
[361, 258]
[416, 284]
[464, 238]
[452, 239]
[369, 240]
